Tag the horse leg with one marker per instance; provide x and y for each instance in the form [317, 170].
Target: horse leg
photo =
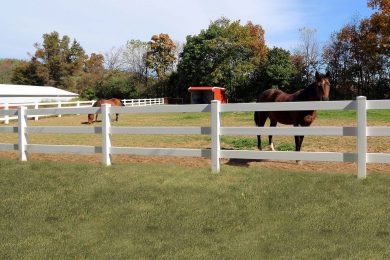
[300, 142]
[96, 117]
[259, 142]
[297, 143]
[271, 144]
[260, 118]
[116, 117]
[297, 140]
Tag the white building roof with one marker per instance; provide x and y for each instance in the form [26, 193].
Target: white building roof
[26, 94]
[7, 90]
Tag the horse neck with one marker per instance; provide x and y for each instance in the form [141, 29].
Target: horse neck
[304, 94]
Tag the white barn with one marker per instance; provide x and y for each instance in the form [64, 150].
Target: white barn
[14, 94]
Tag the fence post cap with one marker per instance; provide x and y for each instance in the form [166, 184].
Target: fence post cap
[361, 98]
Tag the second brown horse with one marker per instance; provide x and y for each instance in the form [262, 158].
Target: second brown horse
[113, 101]
[317, 91]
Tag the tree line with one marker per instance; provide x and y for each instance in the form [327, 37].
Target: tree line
[226, 54]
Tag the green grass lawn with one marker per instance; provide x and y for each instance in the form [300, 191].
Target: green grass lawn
[51, 210]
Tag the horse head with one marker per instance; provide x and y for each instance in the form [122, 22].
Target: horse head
[322, 86]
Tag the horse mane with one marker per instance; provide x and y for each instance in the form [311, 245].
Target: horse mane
[306, 94]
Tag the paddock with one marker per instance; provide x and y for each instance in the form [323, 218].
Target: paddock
[179, 134]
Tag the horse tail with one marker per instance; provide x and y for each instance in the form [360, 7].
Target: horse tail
[268, 95]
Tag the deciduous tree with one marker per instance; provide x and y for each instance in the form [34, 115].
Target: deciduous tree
[309, 50]
[58, 62]
[278, 69]
[226, 54]
[160, 58]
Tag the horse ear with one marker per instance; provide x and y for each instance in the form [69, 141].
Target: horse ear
[317, 76]
[327, 74]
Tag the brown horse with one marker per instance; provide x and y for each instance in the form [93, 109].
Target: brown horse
[113, 101]
[317, 91]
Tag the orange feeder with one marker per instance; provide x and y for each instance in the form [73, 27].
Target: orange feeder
[204, 95]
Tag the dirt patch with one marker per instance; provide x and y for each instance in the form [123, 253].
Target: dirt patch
[307, 166]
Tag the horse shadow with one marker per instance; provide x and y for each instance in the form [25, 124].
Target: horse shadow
[243, 162]
[87, 123]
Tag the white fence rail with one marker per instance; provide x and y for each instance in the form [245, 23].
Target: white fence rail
[143, 102]
[361, 132]
[59, 104]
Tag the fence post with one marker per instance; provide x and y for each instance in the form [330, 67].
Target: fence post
[106, 134]
[59, 106]
[78, 105]
[215, 136]
[361, 137]
[22, 133]
[36, 106]
[6, 117]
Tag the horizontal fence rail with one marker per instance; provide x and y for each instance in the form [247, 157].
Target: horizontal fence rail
[360, 131]
[9, 111]
[296, 156]
[289, 106]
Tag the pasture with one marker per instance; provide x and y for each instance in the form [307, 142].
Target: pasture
[70, 206]
[139, 211]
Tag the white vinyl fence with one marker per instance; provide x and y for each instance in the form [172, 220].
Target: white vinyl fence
[143, 102]
[36, 105]
[361, 131]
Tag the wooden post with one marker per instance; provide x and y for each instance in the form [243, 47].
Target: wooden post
[215, 136]
[361, 137]
[106, 134]
[22, 133]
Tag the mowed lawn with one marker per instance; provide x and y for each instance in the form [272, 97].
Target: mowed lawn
[56, 210]
[159, 209]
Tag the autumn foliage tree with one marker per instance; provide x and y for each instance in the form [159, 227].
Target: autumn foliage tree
[358, 56]
[380, 21]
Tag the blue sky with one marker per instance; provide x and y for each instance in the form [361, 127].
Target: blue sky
[99, 25]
